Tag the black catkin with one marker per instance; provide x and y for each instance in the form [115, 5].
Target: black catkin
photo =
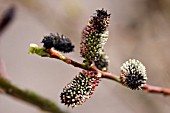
[59, 43]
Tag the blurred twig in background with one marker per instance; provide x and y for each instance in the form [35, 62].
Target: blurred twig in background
[29, 96]
[6, 18]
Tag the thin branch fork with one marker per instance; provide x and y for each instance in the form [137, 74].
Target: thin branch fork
[58, 55]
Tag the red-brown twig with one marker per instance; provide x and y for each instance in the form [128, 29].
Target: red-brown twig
[156, 89]
[148, 88]
[58, 55]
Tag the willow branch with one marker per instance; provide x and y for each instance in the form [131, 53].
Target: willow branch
[28, 96]
[57, 55]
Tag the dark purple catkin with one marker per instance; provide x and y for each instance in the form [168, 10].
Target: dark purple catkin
[60, 43]
[94, 36]
[80, 88]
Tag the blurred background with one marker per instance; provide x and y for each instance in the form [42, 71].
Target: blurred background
[139, 29]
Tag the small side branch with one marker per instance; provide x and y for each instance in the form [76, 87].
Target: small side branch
[156, 89]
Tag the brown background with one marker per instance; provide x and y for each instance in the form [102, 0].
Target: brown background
[138, 29]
